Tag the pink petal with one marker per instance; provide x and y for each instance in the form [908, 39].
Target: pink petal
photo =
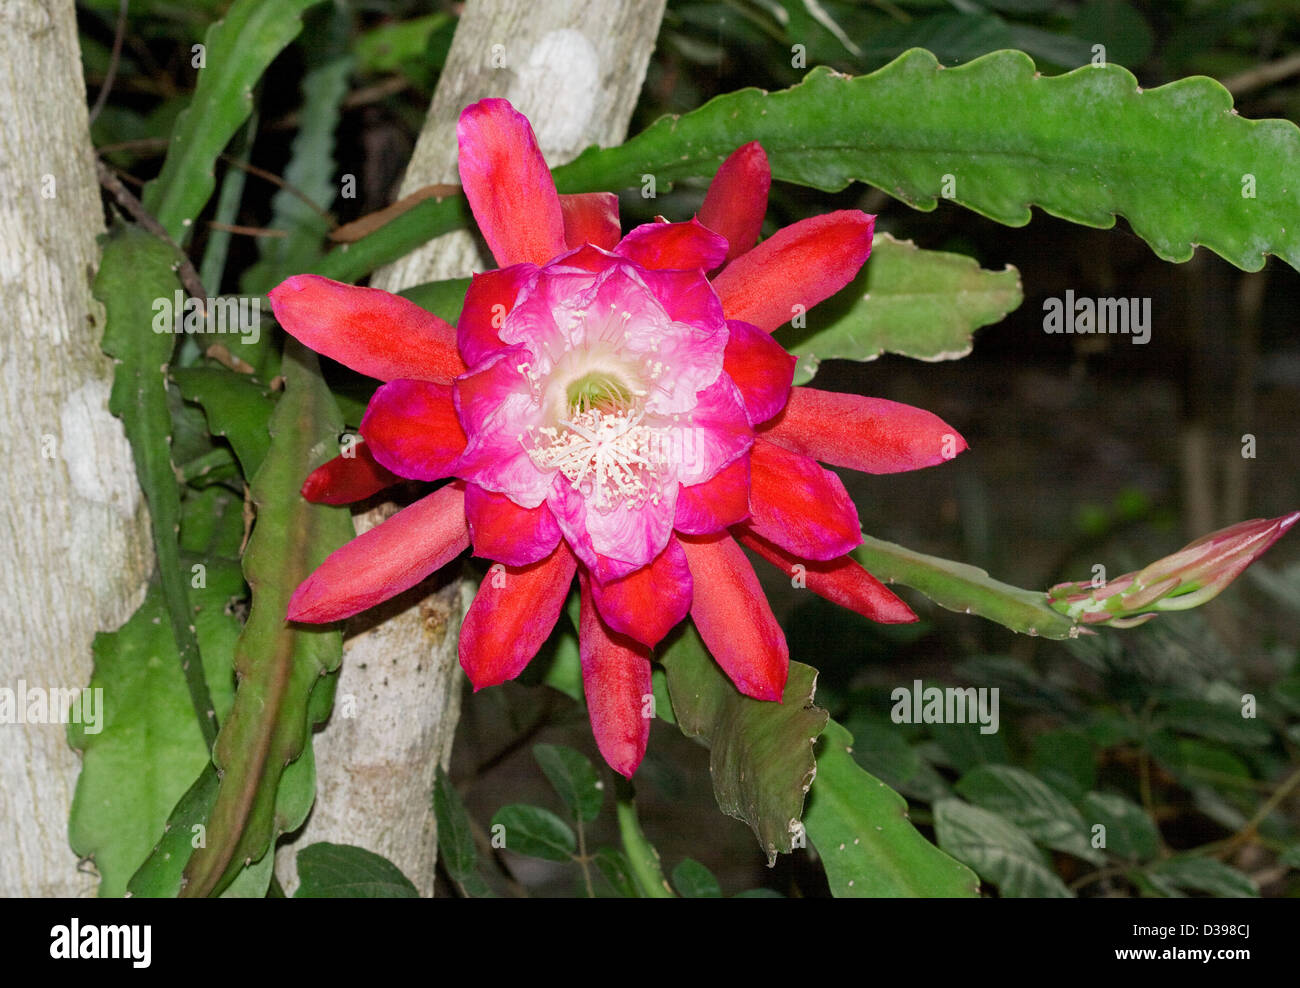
[674, 246]
[591, 218]
[795, 268]
[734, 618]
[495, 407]
[761, 368]
[737, 198]
[386, 560]
[842, 581]
[716, 435]
[412, 429]
[703, 509]
[649, 602]
[616, 679]
[508, 185]
[374, 332]
[491, 297]
[512, 615]
[503, 531]
[868, 434]
[800, 506]
[346, 479]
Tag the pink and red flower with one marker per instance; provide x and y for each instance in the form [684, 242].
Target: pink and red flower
[613, 408]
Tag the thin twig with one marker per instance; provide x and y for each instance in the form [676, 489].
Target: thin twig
[107, 85]
[188, 275]
[275, 179]
[248, 231]
[1263, 75]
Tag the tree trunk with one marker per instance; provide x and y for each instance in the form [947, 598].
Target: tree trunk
[73, 523]
[575, 70]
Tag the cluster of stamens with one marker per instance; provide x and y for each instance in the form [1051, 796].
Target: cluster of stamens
[609, 456]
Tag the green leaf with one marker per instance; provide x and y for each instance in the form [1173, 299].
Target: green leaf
[285, 684]
[341, 871]
[694, 881]
[535, 832]
[147, 748]
[1032, 805]
[1130, 834]
[760, 753]
[997, 849]
[1084, 146]
[238, 49]
[135, 269]
[965, 588]
[1200, 874]
[867, 845]
[455, 836]
[573, 777]
[919, 303]
[237, 407]
[614, 866]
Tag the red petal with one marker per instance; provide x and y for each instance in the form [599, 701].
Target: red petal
[842, 581]
[512, 615]
[616, 679]
[346, 479]
[508, 185]
[795, 268]
[734, 618]
[761, 368]
[868, 434]
[799, 505]
[412, 428]
[591, 218]
[503, 531]
[737, 198]
[386, 560]
[715, 504]
[650, 601]
[373, 332]
[491, 297]
[673, 246]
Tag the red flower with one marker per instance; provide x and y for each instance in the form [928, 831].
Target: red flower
[609, 411]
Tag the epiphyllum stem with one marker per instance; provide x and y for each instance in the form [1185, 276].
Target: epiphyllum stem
[613, 448]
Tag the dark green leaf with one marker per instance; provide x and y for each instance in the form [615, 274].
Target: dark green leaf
[341, 871]
[455, 836]
[573, 777]
[1001, 852]
[694, 881]
[1193, 873]
[760, 753]
[1032, 805]
[1130, 834]
[535, 832]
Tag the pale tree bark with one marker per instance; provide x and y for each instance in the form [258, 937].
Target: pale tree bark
[575, 69]
[72, 521]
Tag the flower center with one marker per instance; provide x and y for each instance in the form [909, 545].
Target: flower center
[597, 391]
[608, 456]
